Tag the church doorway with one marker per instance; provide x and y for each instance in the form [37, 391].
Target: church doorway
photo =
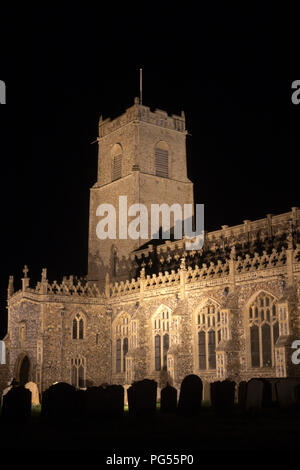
[24, 369]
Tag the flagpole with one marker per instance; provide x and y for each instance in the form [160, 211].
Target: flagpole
[141, 86]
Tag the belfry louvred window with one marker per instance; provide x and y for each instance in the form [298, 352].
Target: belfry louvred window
[116, 170]
[162, 160]
[117, 167]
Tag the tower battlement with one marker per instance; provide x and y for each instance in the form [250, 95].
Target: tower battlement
[142, 113]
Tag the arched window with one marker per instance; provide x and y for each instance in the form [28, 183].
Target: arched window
[116, 165]
[78, 327]
[125, 351]
[122, 329]
[22, 334]
[209, 334]
[162, 159]
[264, 330]
[118, 355]
[161, 329]
[78, 372]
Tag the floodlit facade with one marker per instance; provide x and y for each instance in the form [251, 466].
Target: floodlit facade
[150, 310]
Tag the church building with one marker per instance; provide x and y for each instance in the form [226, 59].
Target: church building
[152, 308]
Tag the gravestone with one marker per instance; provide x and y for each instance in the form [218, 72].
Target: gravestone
[297, 394]
[81, 403]
[16, 406]
[142, 397]
[267, 393]
[94, 403]
[60, 403]
[114, 400]
[287, 393]
[5, 391]
[206, 391]
[222, 396]
[242, 395]
[259, 395]
[190, 397]
[2, 353]
[168, 399]
[104, 401]
[35, 399]
[12, 383]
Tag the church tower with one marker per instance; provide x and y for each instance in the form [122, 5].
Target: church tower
[142, 155]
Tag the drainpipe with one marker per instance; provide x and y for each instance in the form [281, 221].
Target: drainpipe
[111, 345]
[61, 344]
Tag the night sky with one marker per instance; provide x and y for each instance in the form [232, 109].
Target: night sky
[230, 70]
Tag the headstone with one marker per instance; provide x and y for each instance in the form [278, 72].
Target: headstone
[190, 397]
[222, 396]
[287, 393]
[81, 402]
[5, 391]
[168, 399]
[206, 391]
[142, 397]
[60, 403]
[104, 401]
[12, 383]
[114, 401]
[17, 405]
[259, 395]
[94, 404]
[35, 399]
[297, 394]
[2, 353]
[242, 395]
[267, 393]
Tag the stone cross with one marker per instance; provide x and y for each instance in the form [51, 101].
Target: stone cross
[25, 271]
[233, 252]
[44, 274]
[182, 264]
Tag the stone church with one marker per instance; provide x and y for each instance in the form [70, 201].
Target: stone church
[153, 309]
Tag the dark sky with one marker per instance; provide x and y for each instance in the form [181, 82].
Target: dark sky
[229, 68]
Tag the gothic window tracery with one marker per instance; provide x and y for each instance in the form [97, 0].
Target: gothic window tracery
[264, 330]
[78, 327]
[78, 371]
[161, 333]
[210, 331]
[122, 336]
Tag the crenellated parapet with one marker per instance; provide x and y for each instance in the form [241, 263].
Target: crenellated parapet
[233, 269]
[252, 238]
[285, 262]
[70, 287]
[139, 112]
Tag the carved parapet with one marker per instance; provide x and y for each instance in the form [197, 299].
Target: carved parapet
[10, 289]
[127, 287]
[79, 289]
[255, 263]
